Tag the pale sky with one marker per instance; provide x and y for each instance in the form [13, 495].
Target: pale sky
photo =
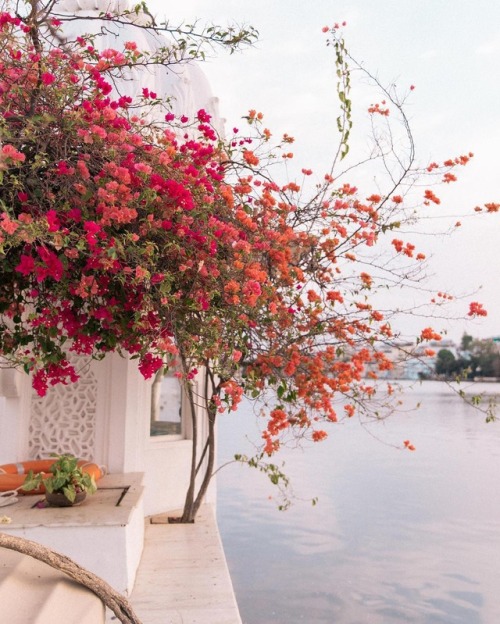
[448, 49]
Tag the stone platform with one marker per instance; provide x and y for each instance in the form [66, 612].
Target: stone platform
[183, 576]
[104, 534]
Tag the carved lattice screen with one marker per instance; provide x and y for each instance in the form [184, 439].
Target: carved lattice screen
[64, 421]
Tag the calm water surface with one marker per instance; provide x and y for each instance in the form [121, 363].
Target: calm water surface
[396, 536]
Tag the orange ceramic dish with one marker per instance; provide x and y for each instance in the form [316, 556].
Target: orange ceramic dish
[13, 476]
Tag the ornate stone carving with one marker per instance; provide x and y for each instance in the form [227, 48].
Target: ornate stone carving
[64, 421]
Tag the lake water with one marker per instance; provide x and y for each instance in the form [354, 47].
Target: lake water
[396, 536]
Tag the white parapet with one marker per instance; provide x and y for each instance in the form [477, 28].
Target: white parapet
[105, 534]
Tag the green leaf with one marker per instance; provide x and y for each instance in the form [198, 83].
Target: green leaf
[70, 493]
[32, 481]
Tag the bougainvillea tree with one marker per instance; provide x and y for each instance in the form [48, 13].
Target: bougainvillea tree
[161, 241]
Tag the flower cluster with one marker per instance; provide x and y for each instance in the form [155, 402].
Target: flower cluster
[161, 241]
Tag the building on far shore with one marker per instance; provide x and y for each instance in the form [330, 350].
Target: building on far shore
[412, 362]
[474, 359]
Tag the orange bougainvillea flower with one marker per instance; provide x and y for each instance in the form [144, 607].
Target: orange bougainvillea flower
[429, 334]
[379, 109]
[317, 436]
[431, 197]
[366, 279]
[350, 410]
[250, 158]
[476, 309]
[492, 207]
[449, 177]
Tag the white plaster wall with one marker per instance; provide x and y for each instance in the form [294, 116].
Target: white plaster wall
[166, 477]
[126, 407]
[14, 408]
[9, 431]
[101, 550]
[166, 474]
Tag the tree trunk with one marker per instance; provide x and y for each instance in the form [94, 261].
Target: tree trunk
[195, 498]
[187, 513]
[195, 506]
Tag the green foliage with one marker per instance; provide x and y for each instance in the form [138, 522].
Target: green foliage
[274, 473]
[445, 362]
[67, 478]
[466, 342]
[476, 358]
[344, 121]
[485, 359]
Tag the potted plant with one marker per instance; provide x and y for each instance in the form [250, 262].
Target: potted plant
[67, 485]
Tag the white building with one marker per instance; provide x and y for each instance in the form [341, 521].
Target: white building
[111, 416]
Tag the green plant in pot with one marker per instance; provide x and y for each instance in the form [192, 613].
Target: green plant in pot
[67, 484]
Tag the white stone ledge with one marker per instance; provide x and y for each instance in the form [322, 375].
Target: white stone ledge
[104, 534]
[112, 505]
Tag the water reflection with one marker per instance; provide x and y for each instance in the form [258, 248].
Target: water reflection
[396, 536]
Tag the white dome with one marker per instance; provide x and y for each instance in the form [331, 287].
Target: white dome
[101, 6]
[184, 83]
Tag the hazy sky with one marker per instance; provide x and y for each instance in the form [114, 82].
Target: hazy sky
[448, 49]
